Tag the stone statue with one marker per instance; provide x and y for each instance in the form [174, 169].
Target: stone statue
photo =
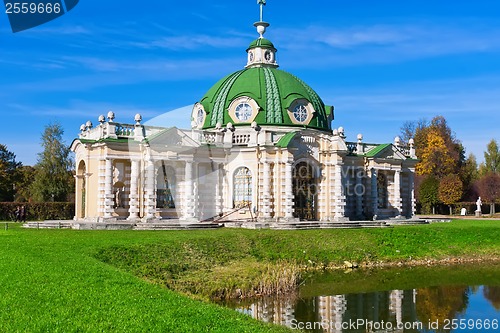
[118, 198]
[478, 204]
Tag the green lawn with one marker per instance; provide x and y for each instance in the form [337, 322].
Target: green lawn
[96, 281]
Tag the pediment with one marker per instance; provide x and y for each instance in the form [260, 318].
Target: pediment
[386, 151]
[172, 138]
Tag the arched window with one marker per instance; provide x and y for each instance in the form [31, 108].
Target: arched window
[165, 189]
[383, 195]
[242, 188]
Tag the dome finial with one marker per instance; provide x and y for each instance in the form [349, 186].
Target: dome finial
[261, 25]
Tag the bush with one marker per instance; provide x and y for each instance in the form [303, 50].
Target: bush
[39, 211]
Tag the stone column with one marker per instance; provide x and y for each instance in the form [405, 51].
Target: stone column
[323, 193]
[150, 193]
[359, 192]
[339, 197]
[266, 189]
[218, 190]
[411, 188]
[189, 200]
[397, 192]
[288, 191]
[374, 195]
[108, 189]
[134, 191]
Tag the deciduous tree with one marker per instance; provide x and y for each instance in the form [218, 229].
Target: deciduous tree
[489, 189]
[53, 178]
[428, 194]
[450, 190]
[439, 151]
[8, 173]
[26, 174]
[491, 159]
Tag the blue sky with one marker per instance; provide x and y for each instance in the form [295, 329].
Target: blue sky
[380, 63]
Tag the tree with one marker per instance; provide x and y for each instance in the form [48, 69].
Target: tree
[8, 173]
[53, 178]
[450, 190]
[489, 189]
[470, 175]
[428, 194]
[491, 158]
[26, 174]
[439, 151]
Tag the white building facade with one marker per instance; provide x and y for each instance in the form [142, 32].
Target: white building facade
[261, 149]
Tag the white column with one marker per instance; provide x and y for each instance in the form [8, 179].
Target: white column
[359, 192]
[108, 189]
[397, 192]
[339, 197]
[331, 189]
[323, 193]
[218, 190]
[266, 195]
[288, 191]
[150, 193]
[374, 192]
[189, 209]
[411, 185]
[134, 191]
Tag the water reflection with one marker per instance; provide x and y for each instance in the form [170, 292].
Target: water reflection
[422, 309]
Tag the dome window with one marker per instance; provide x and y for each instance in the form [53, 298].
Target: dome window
[301, 111]
[198, 116]
[243, 110]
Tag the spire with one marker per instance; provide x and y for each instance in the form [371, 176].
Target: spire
[261, 25]
[261, 52]
[262, 3]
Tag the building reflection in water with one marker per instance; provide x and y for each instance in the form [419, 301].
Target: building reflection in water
[395, 308]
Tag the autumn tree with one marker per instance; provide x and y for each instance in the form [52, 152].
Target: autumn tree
[53, 178]
[450, 190]
[440, 304]
[428, 194]
[489, 189]
[439, 151]
[8, 173]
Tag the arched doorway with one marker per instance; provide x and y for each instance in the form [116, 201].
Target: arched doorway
[305, 190]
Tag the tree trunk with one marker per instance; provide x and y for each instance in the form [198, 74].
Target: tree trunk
[492, 208]
[433, 210]
[451, 210]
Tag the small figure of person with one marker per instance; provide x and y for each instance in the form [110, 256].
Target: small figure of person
[23, 212]
[17, 214]
[478, 204]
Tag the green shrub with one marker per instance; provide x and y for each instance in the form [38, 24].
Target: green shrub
[39, 211]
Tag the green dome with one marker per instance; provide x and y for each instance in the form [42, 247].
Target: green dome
[273, 92]
[261, 42]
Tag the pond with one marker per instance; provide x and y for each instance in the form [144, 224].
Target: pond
[458, 298]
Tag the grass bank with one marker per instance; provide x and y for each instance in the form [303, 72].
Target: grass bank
[67, 281]
[228, 263]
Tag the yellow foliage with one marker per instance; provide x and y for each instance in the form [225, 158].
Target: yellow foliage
[435, 157]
